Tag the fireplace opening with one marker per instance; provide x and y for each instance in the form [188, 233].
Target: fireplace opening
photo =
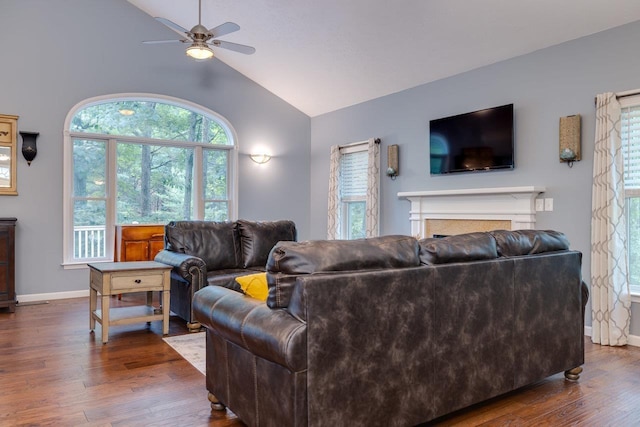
[449, 227]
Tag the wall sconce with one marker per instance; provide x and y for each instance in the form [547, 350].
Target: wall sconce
[260, 158]
[392, 161]
[29, 149]
[570, 139]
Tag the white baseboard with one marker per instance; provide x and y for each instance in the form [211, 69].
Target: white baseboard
[52, 295]
[634, 340]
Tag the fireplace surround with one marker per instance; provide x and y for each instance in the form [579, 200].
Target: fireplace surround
[462, 211]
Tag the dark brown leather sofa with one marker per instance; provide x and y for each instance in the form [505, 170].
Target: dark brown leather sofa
[394, 331]
[214, 253]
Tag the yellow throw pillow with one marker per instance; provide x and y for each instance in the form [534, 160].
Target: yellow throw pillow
[254, 285]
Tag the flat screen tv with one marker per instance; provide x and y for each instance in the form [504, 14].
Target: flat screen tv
[477, 141]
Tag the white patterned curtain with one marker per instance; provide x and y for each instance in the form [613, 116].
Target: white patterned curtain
[334, 194]
[373, 188]
[610, 296]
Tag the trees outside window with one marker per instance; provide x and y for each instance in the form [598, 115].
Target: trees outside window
[135, 160]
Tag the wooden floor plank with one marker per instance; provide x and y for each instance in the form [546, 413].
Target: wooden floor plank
[54, 371]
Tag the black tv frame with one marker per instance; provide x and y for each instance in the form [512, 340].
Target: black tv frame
[490, 130]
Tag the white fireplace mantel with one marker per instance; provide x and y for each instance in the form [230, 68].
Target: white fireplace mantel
[516, 204]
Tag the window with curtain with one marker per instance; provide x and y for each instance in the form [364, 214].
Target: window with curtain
[630, 138]
[353, 194]
[142, 161]
[353, 191]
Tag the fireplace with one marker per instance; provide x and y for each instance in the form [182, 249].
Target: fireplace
[447, 212]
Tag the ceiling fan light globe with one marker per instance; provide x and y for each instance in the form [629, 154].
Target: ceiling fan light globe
[199, 51]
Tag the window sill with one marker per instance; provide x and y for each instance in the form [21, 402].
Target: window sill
[75, 266]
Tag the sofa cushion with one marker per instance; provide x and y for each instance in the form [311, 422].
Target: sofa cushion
[527, 242]
[291, 259]
[254, 285]
[226, 278]
[258, 238]
[458, 248]
[216, 243]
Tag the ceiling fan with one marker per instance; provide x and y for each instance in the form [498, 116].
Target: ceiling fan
[199, 38]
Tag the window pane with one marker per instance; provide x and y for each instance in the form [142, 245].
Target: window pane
[149, 119]
[216, 211]
[353, 174]
[630, 135]
[154, 183]
[215, 174]
[633, 215]
[356, 228]
[89, 229]
[89, 168]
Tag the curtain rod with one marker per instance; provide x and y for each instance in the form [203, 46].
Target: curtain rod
[376, 140]
[622, 95]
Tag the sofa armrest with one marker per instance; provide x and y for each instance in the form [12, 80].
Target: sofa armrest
[189, 267]
[274, 335]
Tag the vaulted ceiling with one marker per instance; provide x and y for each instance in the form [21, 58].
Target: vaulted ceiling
[321, 56]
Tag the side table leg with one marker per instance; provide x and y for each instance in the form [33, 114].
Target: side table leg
[105, 318]
[165, 312]
[93, 304]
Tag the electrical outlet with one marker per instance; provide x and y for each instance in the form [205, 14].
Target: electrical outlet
[539, 205]
[548, 204]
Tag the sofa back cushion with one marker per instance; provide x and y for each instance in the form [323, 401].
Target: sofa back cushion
[258, 238]
[216, 243]
[288, 260]
[458, 248]
[527, 242]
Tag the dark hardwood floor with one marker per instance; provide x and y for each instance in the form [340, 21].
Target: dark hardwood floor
[53, 371]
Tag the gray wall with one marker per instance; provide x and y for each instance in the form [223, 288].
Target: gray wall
[58, 53]
[79, 49]
[543, 86]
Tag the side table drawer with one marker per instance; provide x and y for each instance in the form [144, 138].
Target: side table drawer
[133, 281]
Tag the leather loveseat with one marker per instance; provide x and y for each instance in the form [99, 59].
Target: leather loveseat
[214, 253]
[392, 331]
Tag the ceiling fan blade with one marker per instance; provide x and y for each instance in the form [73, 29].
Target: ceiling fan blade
[247, 50]
[164, 41]
[222, 29]
[175, 27]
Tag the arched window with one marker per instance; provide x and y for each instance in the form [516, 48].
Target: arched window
[142, 159]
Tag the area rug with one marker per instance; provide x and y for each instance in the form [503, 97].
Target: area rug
[191, 347]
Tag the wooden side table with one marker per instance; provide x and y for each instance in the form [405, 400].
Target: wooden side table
[113, 278]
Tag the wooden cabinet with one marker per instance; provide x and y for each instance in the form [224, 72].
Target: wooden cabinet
[7, 263]
[138, 242]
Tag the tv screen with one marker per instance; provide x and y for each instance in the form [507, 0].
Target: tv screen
[477, 141]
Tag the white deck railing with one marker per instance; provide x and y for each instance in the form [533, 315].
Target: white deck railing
[89, 241]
